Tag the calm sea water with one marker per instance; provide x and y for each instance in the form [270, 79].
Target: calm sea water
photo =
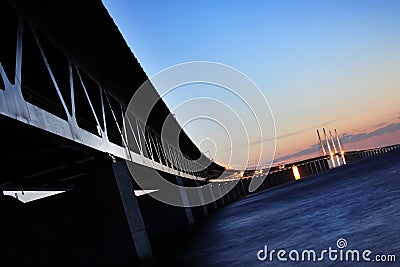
[359, 202]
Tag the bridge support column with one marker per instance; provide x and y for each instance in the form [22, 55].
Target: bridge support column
[204, 206]
[132, 211]
[221, 195]
[320, 167]
[315, 167]
[234, 193]
[239, 191]
[213, 197]
[185, 201]
[310, 170]
[242, 186]
[227, 193]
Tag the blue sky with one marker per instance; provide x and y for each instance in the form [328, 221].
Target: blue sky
[331, 64]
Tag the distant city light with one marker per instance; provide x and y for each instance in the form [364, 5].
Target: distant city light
[296, 172]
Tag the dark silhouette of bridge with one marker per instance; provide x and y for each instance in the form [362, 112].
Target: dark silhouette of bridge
[67, 76]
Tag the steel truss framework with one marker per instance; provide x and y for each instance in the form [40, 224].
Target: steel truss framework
[146, 147]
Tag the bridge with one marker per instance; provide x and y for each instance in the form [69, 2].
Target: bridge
[67, 76]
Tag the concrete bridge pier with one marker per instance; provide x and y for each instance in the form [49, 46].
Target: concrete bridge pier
[213, 205]
[320, 166]
[245, 186]
[132, 211]
[202, 199]
[198, 212]
[220, 194]
[96, 223]
[227, 194]
[312, 167]
[234, 192]
[317, 169]
[239, 189]
[268, 180]
[185, 201]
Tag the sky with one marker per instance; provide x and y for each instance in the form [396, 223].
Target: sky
[332, 64]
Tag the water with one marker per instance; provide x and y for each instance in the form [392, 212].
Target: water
[359, 202]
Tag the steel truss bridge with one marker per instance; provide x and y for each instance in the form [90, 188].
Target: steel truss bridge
[73, 78]
[67, 76]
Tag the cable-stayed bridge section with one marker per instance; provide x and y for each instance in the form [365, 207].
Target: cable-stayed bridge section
[67, 76]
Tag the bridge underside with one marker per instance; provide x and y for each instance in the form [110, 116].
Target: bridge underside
[88, 224]
[32, 158]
